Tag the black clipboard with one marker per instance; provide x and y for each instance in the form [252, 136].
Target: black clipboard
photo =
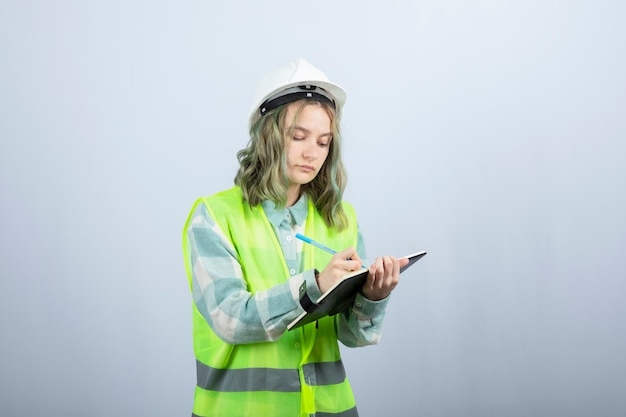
[342, 294]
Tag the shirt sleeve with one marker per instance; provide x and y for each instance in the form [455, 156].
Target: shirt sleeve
[220, 293]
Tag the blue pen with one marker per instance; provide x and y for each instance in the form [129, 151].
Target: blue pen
[316, 244]
[319, 245]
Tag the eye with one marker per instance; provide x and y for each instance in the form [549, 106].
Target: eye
[298, 138]
[323, 144]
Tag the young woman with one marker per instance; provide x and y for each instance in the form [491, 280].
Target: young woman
[250, 277]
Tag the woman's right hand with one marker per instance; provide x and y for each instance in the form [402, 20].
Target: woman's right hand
[340, 264]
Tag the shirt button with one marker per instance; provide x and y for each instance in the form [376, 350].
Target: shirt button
[289, 237]
[359, 305]
[292, 271]
[296, 345]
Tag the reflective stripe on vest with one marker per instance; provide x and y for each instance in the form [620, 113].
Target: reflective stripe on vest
[348, 413]
[301, 373]
[268, 379]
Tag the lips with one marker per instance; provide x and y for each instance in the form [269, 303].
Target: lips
[306, 168]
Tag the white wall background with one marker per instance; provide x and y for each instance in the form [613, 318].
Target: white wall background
[490, 133]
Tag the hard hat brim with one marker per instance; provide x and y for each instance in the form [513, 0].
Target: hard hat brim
[334, 90]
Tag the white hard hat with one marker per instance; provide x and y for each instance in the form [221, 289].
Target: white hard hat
[293, 81]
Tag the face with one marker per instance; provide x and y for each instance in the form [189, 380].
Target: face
[307, 145]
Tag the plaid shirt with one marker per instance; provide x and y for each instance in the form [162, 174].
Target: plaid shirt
[220, 293]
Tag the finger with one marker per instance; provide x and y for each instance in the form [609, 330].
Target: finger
[354, 255]
[391, 272]
[396, 268]
[403, 262]
[350, 258]
[349, 265]
[388, 265]
[380, 273]
[395, 274]
[354, 264]
[371, 275]
[348, 253]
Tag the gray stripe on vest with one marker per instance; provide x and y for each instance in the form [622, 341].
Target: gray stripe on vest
[268, 379]
[247, 379]
[348, 413]
[324, 373]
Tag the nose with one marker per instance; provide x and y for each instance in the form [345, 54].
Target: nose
[310, 151]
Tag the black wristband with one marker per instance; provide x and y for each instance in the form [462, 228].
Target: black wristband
[305, 300]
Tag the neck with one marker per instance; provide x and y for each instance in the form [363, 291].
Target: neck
[293, 194]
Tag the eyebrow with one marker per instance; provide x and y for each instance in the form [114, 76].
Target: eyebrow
[302, 129]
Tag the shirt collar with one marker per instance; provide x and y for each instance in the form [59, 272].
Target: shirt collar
[298, 211]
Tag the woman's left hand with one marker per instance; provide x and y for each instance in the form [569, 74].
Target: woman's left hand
[384, 275]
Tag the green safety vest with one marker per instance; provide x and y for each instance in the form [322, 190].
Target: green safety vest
[301, 374]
